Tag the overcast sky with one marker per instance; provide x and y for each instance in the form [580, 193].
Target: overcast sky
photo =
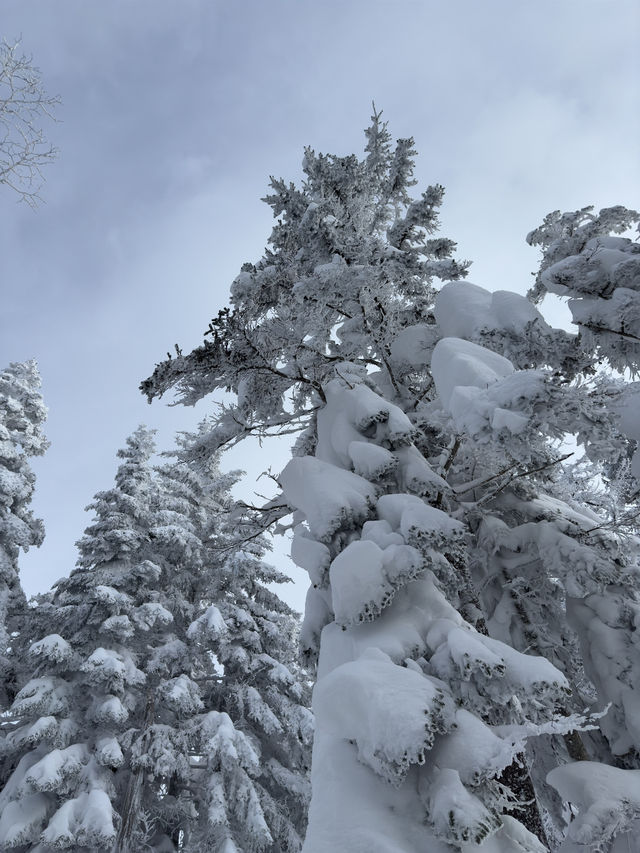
[174, 114]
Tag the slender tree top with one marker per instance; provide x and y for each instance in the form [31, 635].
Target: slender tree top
[350, 259]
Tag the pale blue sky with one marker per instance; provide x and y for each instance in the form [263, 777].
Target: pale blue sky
[174, 115]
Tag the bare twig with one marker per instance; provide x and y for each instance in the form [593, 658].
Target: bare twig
[23, 104]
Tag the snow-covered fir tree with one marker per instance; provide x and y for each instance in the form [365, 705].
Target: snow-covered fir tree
[22, 415]
[417, 490]
[255, 742]
[78, 715]
[251, 741]
[591, 260]
[106, 729]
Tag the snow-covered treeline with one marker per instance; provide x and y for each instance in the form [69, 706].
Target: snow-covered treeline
[160, 705]
[463, 492]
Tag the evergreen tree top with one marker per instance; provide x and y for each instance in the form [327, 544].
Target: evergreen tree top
[22, 410]
[350, 260]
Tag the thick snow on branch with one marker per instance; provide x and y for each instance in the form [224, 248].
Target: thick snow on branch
[463, 309]
[53, 648]
[608, 800]
[353, 413]
[480, 389]
[57, 767]
[416, 521]
[390, 712]
[330, 497]
[459, 363]
[22, 820]
[365, 577]
[85, 821]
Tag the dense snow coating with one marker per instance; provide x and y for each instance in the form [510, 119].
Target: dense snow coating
[165, 710]
[399, 660]
[463, 492]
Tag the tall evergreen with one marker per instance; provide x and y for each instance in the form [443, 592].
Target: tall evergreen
[427, 510]
[77, 717]
[22, 414]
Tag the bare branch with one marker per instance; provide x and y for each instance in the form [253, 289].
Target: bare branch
[24, 103]
[469, 487]
[594, 327]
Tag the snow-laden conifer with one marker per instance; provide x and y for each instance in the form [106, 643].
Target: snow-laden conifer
[254, 737]
[250, 741]
[557, 558]
[22, 414]
[546, 553]
[422, 717]
[110, 731]
[77, 717]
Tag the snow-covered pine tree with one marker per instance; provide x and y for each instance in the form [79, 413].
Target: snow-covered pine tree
[589, 259]
[420, 716]
[555, 556]
[76, 718]
[104, 731]
[255, 736]
[251, 740]
[22, 414]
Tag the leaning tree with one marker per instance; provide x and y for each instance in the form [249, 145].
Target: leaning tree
[447, 558]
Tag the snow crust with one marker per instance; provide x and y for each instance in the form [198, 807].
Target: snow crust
[481, 390]
[463, 309]
[329, 496]
[608, 800]
[458, 363]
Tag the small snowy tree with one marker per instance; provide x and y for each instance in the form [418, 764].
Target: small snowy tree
[22, 414]
[421, 716]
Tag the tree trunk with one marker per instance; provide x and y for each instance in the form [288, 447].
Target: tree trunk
[133, 795]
